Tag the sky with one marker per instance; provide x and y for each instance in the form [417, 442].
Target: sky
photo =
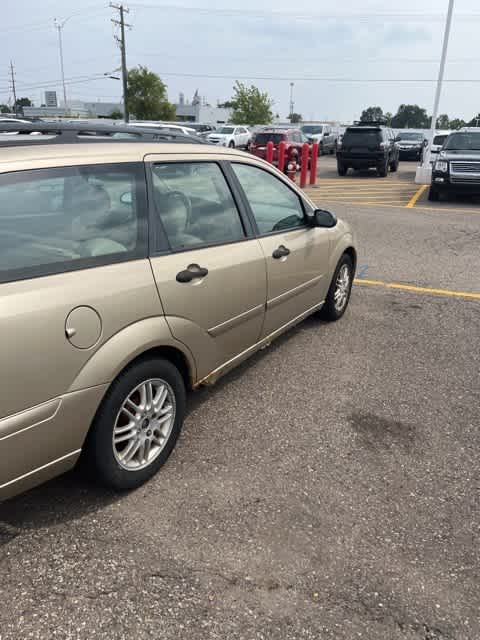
[342, 57]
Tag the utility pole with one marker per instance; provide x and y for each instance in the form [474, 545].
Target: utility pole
[59, 26]
[292, 104]
[13, 89]
[121, 41]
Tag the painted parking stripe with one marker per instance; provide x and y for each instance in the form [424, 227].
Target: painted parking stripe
[417, 195]
[412, 288]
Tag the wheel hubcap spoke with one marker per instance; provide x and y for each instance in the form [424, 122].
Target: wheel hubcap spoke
[342, 288]
[144, 424]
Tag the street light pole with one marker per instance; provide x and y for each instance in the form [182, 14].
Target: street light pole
[423, 175]
[59, 26]
[292, 84]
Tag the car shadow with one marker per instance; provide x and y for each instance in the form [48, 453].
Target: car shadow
[75, 494]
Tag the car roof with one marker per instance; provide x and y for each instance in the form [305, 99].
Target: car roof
[20, 157]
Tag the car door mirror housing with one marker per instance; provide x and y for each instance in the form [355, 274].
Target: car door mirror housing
[323, 218]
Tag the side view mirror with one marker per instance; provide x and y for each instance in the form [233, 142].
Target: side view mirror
[324, 218]
[397, 139]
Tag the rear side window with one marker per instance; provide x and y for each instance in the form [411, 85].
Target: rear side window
[54, 220]
[263, 138]
[194, 204]
[362, 137]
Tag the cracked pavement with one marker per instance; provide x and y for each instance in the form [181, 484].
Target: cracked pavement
[327, 489]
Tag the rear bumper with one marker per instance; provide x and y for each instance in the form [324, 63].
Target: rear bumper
[410, 154]
[362, 161]
[44, 441]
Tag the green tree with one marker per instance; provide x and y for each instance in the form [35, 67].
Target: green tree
[24, 102]
[228, 104]
[295, 118]
[147, 96]
[475, 121]
[388, 118]
[372, 114]
[250, 105]
[457, 123]
[4, 108]
[443, 121]
[410, 116]
[116, 114]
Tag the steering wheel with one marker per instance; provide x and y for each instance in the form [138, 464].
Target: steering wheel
[187, 203]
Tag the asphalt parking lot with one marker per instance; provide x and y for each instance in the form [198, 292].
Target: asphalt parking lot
[396, 190]
[327, 489]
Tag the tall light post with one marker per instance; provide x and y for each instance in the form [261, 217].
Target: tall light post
[292, 104]
[424, 172]
[59, 26]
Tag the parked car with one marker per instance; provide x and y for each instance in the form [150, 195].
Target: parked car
[411, 145]
[457, 167]
[367, 146]
[294, 141]
[324, 135]
[230, 136]
[188, 131]
[129, 275]
[202, 130]
[437, 143]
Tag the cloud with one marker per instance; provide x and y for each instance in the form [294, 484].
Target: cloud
[402, 34]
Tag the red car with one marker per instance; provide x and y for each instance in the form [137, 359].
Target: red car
[293, 138]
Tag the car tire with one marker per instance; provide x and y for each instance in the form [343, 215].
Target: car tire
[149, 424]
[320, 149]
[433, 195]
[394, 166]
[338, 295]
[383, 170]
[231, 144]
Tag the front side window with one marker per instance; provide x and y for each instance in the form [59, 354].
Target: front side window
[274, 205]
[195, 205]
[55, 220]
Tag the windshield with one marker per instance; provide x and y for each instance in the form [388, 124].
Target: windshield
[439, 140]
[226, 130]
[263, 138]
[311, 128]
[411, 136]
[363, 137]
[463, 141]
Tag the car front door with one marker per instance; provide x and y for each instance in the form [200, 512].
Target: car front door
[209, 269]
[297, 254]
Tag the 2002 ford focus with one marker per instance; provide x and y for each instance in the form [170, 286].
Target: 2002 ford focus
[132, 272]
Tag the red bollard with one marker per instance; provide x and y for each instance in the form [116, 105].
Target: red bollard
[314, 164]
[292, 170]
[304, 164]
[269, 154]
[281, 155]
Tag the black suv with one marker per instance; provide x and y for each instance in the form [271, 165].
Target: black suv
[368, 145]
[457, 167]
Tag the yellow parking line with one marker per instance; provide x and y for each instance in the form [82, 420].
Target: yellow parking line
[419, 193]
[408, 287]
[315, 195]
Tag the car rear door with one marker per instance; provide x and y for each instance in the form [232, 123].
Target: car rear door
[209, 269]
[296, 254]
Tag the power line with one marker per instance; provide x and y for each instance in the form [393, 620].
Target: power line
[428, 17]
[312, 79]
[122, 10]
